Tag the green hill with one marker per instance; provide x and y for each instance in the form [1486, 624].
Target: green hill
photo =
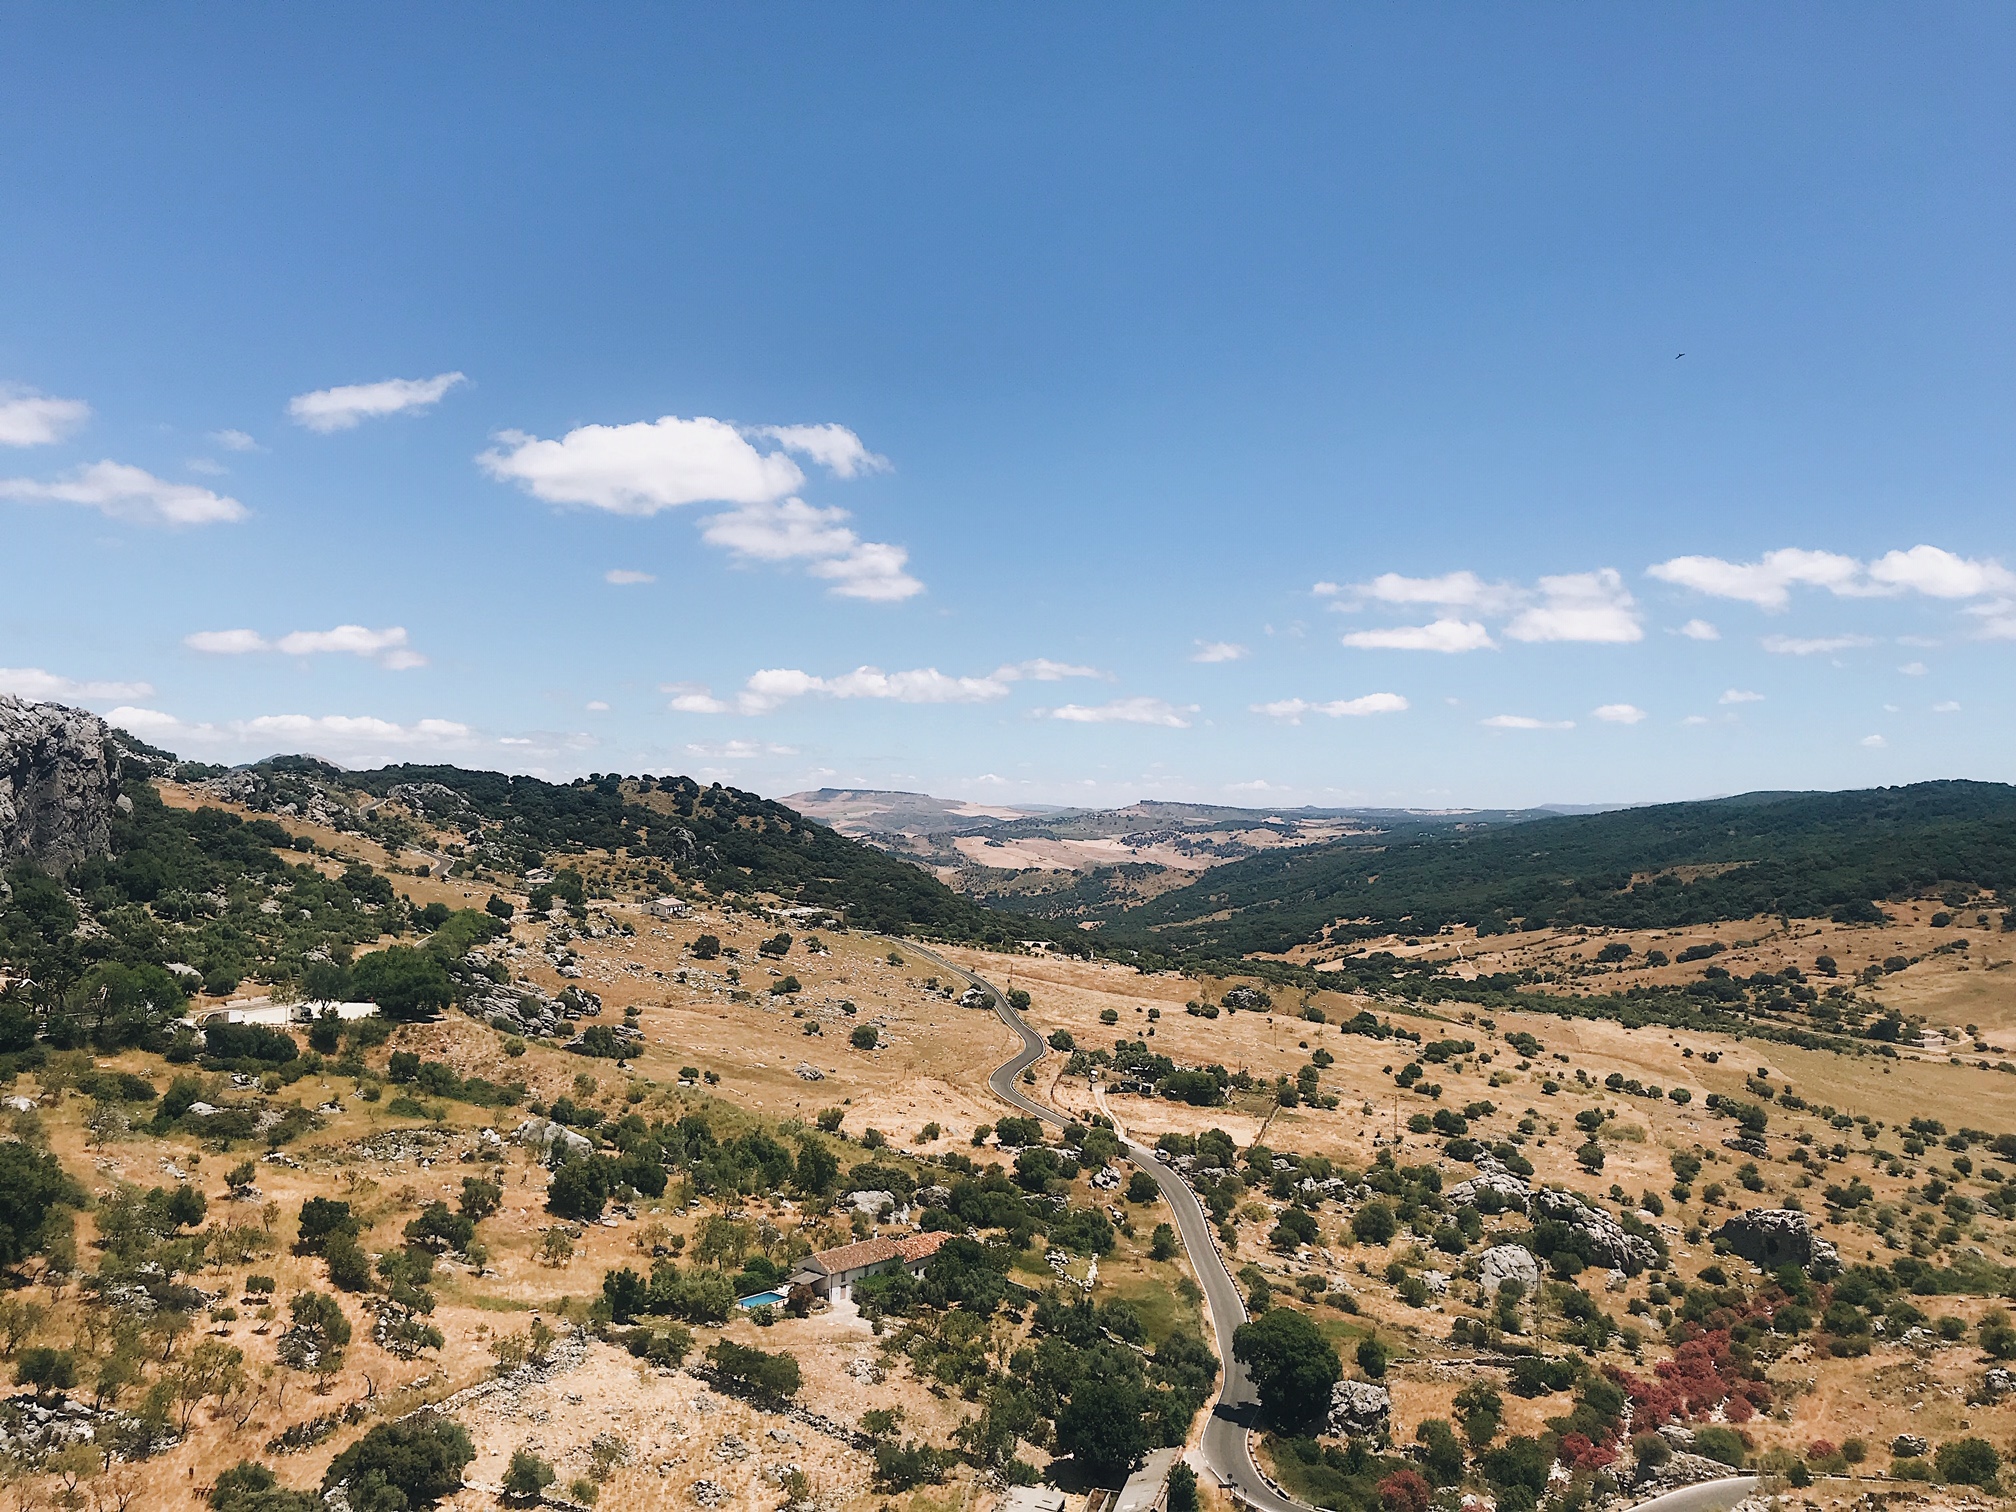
[1800, 854]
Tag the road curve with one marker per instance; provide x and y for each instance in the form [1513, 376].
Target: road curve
[1226, 1449]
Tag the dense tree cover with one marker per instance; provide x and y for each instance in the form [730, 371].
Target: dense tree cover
[251, 1487]
[1807, 855]
[728, 839]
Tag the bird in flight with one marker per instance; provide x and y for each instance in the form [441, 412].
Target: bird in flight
[1678, 355]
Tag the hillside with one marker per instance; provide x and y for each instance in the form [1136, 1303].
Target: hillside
[1808, 855]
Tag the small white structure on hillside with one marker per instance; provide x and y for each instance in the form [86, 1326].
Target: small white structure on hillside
[261, 1010]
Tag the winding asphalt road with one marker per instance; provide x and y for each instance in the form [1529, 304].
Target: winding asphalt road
[1226, 1447]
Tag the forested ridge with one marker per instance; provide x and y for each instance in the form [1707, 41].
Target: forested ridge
[1802, 854]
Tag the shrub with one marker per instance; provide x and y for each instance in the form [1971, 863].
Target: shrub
[527, 1475]
[865, 1037]
[1968, 1462]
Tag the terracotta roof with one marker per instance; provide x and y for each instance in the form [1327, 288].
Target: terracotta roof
[877, 1251]
[921, 1246]
[854, 1256]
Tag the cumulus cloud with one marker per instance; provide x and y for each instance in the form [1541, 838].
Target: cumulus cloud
[624, 576]
[1700, 630]
[123, 492]
[773, 687]
[1292, 710]
[1768, 582]
[1820, 645]
[1141, 711]
[1914, 669]
[234, 440]
[1445, 635]
[1576, 606]
[791, 529]
[1874, 741]
[833, 447]
[1948, 707]
[1219, 651]
[1740, 696]
[339, 409]
[388, 647]
[31, 419]
[1525, 722]
[1620, 713]
[35, 684]
[641, 468]
[1580, 606]
[332, 735]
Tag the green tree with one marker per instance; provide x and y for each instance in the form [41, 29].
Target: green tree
[249, 1487]
[1375, 1223]
[404, 982]
[1968, 1462]
[1373, 1357]
[1162, 1243]
[405, 1464]
[31, 1185]
[1293, 1367]
[817, 1166]
[527, 1474]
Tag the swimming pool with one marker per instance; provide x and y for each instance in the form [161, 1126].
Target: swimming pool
[761, 1299]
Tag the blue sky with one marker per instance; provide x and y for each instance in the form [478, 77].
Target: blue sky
[1270, 405]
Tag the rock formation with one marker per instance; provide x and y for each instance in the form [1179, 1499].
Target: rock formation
[1508, 1262]
[1610, 1246]
[59, 785]
[1772, 1237]
[1358, 1409]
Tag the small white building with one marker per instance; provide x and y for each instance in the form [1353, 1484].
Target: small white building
[263, 1010]
[832, 1273]
[668, 908]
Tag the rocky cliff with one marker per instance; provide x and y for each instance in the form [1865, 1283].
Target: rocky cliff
[59, 784]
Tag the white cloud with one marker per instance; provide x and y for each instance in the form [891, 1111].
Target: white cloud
[1453, 590]
[1525, 722]
[1695, 719]
[740, 750]
[1576, 606]
[1939, 574]
[388, 647]
[337, 409]
[1914, 669]
[1042, 669]
[1700, 630]
[624, 576]
[1446, 635]
[1293, 709]
[596, 706]
[1948, 707]
[1580, 606]
[35, 684]
[1874, 741]
[1257, 785]
[645, 466]
[773, 687]
[1998, 619]
[1768, 581]
[206, 467]
[332, 735]
[129, 493]
[1219, 651]
[641, 468]
[1620, 713]
[31, 419]
[833, 447]
[1740, 696]
[1142, 711]
[234, 440]
[1794, 645]
[794, 530]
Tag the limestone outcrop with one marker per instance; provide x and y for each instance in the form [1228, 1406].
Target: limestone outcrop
[59, 785]
[1774, 1237]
